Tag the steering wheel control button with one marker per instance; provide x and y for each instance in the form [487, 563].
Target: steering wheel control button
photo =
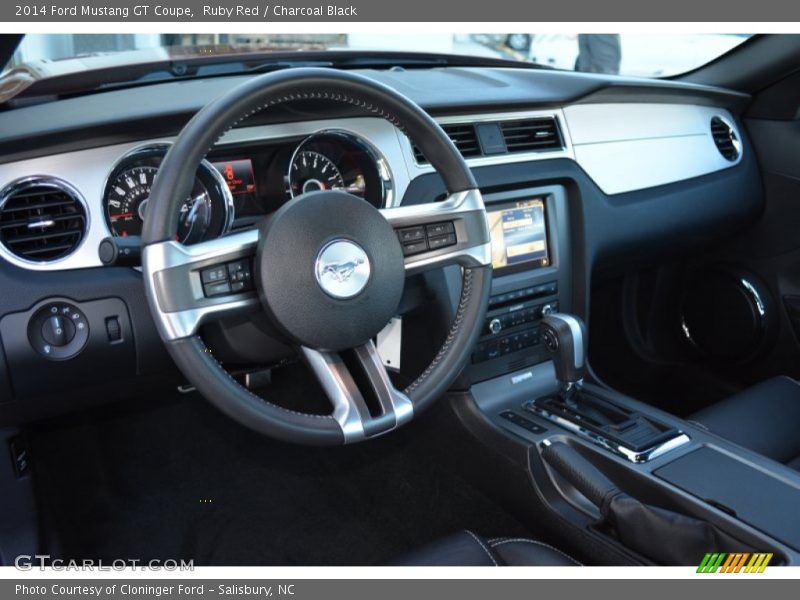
[440, 229]
[416, 240]
[58, 331]
[414, 247]
[217, 289]
[342, 269]
[411, 234]
[214, 274]
[228, 278]
[443, 241]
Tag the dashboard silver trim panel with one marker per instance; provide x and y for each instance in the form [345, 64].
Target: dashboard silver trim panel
[611, 142]
[630, 147]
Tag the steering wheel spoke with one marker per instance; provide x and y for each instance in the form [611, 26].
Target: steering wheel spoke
[195, 284]
[363, 411]
[436, 234]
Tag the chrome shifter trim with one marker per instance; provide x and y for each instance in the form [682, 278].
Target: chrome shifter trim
[636, 457]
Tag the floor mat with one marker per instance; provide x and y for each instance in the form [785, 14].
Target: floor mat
[175, 478]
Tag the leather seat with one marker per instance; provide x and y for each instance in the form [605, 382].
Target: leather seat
[763, 418]
[468, 549]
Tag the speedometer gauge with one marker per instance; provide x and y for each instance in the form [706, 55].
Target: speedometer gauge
[338, 160]
[312, 172]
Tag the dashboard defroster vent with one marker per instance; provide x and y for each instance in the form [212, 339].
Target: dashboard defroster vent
[725, 139]
[42, 219]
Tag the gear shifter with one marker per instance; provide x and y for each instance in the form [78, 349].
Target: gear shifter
[564, 338]
[591, 409]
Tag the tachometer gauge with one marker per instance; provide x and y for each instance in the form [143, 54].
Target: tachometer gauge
[130, 195]
[127, 201]
[206, 213]
[311, 172]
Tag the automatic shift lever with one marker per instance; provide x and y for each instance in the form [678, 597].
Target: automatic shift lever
[593, 412]
[564, 338]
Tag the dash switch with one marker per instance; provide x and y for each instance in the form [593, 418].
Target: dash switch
[113, 329]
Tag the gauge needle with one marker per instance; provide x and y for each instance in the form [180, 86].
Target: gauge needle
[192, 214]
[126, 215]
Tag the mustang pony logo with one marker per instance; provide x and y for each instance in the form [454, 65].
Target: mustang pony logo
[341, 272]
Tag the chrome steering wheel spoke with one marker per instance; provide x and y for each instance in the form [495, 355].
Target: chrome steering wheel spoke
[437, 234]
[179, 297]
[389, 408]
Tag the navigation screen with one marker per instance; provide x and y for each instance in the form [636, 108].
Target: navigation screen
[238, 174]
[519, 235]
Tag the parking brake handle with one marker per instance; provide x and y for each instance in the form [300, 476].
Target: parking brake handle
[583, 475]
[680, 540]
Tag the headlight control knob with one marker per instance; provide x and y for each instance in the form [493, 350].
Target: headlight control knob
[58, 330]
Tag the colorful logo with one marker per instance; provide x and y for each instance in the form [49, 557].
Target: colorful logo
[736, 562]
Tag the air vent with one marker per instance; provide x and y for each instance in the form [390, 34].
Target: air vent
[41, 219]
[530, 135]
[538, 134]
[464, 138]
[725, 139]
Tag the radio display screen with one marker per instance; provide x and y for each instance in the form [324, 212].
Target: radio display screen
[519, 236]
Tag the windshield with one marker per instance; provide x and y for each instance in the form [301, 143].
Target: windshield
[643, 55]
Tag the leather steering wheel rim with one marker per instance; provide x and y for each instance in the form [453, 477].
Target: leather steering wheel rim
[174, 181]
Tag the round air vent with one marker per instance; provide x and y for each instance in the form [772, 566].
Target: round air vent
[42, 219]
[727, 314]
[726, 139]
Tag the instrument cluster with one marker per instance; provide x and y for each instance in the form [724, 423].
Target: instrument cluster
[237, 185]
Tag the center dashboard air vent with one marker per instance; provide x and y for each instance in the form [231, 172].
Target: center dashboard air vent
[529, 135]
[463, 136]
[497, 138]
[42, 219]
[725, 139]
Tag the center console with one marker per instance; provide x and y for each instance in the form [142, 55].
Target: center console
[570, 441]
[687, 491]
[531, 264]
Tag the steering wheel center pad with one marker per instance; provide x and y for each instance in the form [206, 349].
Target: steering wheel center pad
[290, 243]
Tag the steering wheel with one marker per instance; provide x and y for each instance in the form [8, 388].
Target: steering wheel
[328, 268]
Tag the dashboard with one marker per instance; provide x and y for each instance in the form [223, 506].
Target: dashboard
[577, 173]
[250, 173]
[253, 171]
